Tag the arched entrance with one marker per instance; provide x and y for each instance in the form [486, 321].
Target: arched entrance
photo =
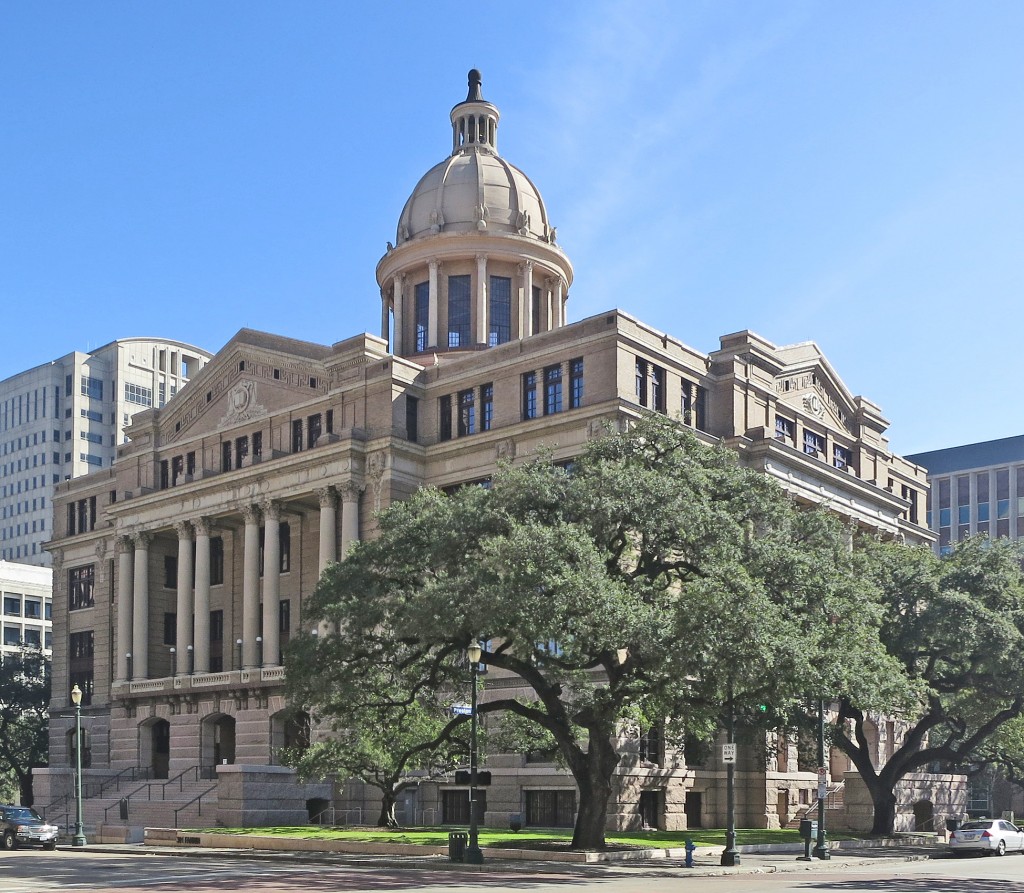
[924, 816]
[155, 747]
[218, 743]
[289, 729]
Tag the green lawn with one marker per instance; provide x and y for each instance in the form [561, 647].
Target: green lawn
[539, 838]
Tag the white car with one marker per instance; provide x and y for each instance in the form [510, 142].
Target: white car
[986, 836]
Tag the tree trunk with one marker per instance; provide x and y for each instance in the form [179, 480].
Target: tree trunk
[595, 789]
[25, 786]
[387, 810]
[884, 801]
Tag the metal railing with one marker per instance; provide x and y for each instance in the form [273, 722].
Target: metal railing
[162, 786]
[198, 799]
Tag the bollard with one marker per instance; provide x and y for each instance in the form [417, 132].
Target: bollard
[690, 847]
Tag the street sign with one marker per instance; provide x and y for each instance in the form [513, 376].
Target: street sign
[728, 753]
[462, 710]
[822, 782]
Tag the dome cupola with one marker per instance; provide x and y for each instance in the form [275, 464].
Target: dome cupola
[485, 223]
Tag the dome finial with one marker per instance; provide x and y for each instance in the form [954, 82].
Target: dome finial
[474, 86]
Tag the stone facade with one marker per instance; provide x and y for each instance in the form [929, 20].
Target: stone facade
[221, 511]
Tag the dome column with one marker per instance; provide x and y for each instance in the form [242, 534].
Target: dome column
[481, 299]
[526, 303]
[385, 317]
[398, 344]
[560, 302]
[432, 267]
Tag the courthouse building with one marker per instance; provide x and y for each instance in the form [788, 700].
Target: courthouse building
[222, 509]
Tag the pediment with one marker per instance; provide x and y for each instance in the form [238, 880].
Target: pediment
[814, 391]
[242, 384]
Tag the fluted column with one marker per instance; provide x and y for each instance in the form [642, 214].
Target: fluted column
[140, 607]
[560, 302]
[349, 516]
[481, 299]
[123, 644]
[545, 305]
[183, 631]
[385, 316]
[251, 587]
[328, 527]
[432, 267]
[202, 596]
[398, 345]
[526, 311]
[271, 583]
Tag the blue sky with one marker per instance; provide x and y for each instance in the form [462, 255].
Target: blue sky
[847, 173]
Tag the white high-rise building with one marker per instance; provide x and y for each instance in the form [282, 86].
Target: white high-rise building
[28, 596]
[65, 418]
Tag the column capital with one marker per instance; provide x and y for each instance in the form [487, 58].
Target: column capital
[526, 267]
[271, 510]
[142, 539]
[433, 265]
[328, 497]
[184, 530]
[251, 514]
[123, 543]
[481, 258]
[350, 491]
[399, 279]
[202, 526]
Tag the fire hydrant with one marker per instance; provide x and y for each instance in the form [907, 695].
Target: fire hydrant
[690, 847]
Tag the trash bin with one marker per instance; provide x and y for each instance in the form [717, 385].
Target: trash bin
[122, 809]
[808, 829]
[952, 824]
[457, 841]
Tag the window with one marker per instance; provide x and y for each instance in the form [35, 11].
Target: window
[170, 572]
[177, 469]
[134, 393]
[241, 450]
[486, 407]
[329, 421]
[91, 388]
[190, 463]
[313, 430]
[257, 446]
[694, 405]
[458, 311]
[216, 561]
[535, 308]
[422, 312]
[286, 547]
[225, 456]
[576, 383]
[814, 444]
[841, 456]
[651, 745]
[80, 587]
[551, 809]
[784, 429]
[467, 413]
[500, 328]
[92, 415]
[530, 395]
[33, 608]
[641, 382]
[81, 646]
[444, 421]
[297, 436]
[164, 474]
[285, 615]
[12, 605]
[90, 437]
[412, 408]
[552, 389]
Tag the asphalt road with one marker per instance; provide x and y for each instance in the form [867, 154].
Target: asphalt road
[31, 871]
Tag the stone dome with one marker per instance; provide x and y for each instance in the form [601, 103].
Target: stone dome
[474, 189]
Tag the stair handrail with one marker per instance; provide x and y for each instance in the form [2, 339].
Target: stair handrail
[198, 799]
[118, 777]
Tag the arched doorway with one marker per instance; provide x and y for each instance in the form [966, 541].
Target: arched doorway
[218, 743]
[155, 747]
[924, 816]
[289, 729]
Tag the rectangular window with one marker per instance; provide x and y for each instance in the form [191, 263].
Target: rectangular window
[694, 404]
[422, 312]
[81, 645]
[134, 393]
[535, 310]
[297, 436]
[444, 420]
[170, 628]
[500, 326]
[641, 382]
[257, 446]
[165, 474]
[784, 430]
[190, 463]
[467, 413]
[412, 409]
[551, 809]
[33, 608]
[225, 456]
[313, 430]
[841, 456]
[177, 469]
[92, 387]
[458, 311]
[552, 389]
[80, 587]
[285, 616]
[216, 561]
[12, 606]
[530, 395]
[814, 444]
[241, 450]
[170, 571]
[576, 383]
[285, 537]
[486, 407]
[329, 421]
[216, 626]
[658, 389]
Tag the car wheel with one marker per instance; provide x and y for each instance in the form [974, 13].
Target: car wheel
[1001, 848]
[50, 845]
[9, 842]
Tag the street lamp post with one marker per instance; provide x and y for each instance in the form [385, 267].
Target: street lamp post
[259, 650]
[79, 838]
[238, 648]
[730, 855]
[821, 848]
[474, 856]
[128, 660]
[191, 659]
[174, 661]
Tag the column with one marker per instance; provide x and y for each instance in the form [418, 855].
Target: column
[560, 303]
[202, 597]
[271, 583]
[251, 586]
[385, 317]
[481, 299]
[398, 340]
[123, 643]
[328, 527]
[349, 516]
[526, 319]
[140, 607]
[183, 632]
[432, 267]
[545, 306]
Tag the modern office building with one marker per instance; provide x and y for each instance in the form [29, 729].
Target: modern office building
[28, 594]
[65, 418]
[211, 529]
[976, 489]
